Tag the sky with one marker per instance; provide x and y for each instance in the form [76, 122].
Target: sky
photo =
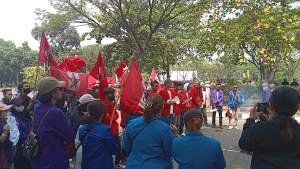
[17, 19]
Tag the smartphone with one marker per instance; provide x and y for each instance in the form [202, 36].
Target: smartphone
[262, 107]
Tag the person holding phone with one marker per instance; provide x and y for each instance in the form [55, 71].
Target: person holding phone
[275, 142]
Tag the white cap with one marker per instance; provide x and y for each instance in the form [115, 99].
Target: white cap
[86, 98]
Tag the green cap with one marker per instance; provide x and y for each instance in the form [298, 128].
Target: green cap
[47, 84]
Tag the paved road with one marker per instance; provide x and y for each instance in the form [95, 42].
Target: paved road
[235, 159]
[229, 140]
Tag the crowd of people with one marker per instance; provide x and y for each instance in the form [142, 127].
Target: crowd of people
[54, 130]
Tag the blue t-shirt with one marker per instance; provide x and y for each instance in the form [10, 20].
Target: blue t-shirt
[196, 151]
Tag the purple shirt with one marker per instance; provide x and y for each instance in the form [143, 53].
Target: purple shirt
[53, 134]
[216, 97]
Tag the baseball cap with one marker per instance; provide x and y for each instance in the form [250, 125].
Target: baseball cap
[4, 107]
[86, 98]
[47, 84]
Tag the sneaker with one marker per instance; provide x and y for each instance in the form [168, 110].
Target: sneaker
[230, 127]
[236, 127]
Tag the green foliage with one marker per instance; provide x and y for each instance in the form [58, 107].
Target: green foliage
[33, 74]
[12, 60]
[61, 34]
[261, 32]
[152, 30]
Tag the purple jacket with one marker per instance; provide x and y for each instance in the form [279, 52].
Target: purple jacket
[54, 132]
[217, 98]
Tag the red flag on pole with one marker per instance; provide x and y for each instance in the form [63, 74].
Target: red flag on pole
[153, 76]
[119, 71]
[99, 72]
[72, 63]
[132, 90]
[76, 83]
[45, 53]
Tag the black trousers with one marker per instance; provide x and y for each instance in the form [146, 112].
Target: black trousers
[220, 111]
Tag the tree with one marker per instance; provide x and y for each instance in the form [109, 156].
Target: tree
[12, 60]
[31, 76]
[61, 34]
[133, 23]
[259, 32]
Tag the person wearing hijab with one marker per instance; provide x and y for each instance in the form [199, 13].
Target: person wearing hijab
[195, 150]
[148, 139]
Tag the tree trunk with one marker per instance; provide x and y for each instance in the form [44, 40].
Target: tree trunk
[168, 71]
[268, 73]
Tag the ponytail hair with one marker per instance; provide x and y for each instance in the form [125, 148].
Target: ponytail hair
[285, 102]
[153, 106]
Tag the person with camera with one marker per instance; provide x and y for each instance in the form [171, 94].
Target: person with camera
[275, 142]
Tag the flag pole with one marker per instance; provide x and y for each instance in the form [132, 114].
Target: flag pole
[36, 75]
[118, 99]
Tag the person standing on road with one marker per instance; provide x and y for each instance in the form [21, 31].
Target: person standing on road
[275, 143]
[235, 99]
[195, 150]
[216, 98]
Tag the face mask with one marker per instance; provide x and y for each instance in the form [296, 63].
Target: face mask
[27, 90]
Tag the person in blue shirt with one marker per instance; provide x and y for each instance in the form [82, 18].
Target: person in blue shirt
[98, 143]
[195, 150]
[148, 140]
[235, 100]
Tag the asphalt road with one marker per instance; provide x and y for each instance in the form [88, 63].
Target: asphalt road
[235, 159]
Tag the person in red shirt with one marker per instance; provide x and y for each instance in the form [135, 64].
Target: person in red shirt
[154, 88]
[168, 95]
[180, 108]
[196, 95]
[110, 118]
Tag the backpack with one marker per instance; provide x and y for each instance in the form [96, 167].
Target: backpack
[31, 147]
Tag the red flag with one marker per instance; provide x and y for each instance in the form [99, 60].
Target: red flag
[153, 76]
[111, 81]
[132, 95]
[91, 82]
[119, 71]
[76, 83]
[45, 53]
[72, 63]
[99, 72]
